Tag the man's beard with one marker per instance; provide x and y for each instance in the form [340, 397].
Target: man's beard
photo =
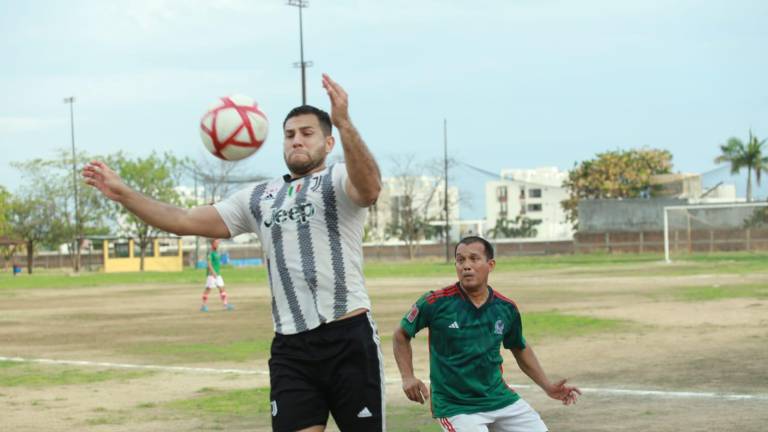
[304, 168]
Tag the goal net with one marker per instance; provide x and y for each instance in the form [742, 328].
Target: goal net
[715, 228]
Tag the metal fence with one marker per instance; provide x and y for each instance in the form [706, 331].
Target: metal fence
[681, 241]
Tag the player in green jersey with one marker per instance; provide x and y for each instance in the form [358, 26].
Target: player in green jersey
[213, 278]
[468, 322]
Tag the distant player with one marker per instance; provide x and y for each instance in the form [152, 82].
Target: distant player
[214, 278]
[468, 322]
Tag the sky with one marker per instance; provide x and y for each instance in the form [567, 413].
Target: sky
[521, 83]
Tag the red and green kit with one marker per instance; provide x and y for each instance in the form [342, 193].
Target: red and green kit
[215, 262]
[464, 348]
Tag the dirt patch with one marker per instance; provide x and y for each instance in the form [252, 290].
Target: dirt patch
[707, 347]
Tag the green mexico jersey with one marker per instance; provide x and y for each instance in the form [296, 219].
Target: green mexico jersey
[464, 349]
[215, 262]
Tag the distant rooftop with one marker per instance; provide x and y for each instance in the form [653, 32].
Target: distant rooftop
[548, 176]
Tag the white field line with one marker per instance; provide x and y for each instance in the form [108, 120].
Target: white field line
[601, 391]
[137, 366]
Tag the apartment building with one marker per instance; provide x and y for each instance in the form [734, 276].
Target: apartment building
[530, 193]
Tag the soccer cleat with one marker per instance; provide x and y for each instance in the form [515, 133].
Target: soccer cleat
[204, 308]
[229, 307]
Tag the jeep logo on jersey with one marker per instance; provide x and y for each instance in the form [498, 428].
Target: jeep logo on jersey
[300, 213]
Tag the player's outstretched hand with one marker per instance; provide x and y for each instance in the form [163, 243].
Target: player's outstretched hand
[564, 393]
[339, 102]
[415, 390]
[100, 176]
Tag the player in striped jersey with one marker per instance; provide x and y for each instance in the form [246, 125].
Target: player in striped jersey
[468, 322]
[325, 357]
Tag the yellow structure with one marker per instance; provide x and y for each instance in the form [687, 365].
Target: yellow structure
[123, 255]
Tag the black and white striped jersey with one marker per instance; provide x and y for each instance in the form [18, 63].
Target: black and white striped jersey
[311, 234]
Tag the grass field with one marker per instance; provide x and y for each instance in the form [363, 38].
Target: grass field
[656, 346]
[736, 262]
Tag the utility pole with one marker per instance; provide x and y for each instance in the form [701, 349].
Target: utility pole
[445, 193]
[197, 237]
[301, 4]
[78, 235]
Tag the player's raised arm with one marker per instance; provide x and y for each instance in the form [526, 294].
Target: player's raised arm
[202, 220]
[364, 183]
[530, 365]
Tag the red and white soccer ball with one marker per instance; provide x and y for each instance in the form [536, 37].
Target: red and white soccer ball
[234, 127]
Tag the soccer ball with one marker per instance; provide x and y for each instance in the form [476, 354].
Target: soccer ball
[234, 127]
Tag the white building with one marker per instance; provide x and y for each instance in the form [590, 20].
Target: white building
[689, 186]
[426, 196]
[534, 194]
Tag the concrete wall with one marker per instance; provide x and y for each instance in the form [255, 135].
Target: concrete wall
[132, 263]
[627, 215]
[712, 218]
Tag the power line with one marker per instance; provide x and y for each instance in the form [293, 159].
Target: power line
[502, 178]
[526, 182]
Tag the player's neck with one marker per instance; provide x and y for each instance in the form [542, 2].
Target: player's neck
[478, 295]
[316, 169]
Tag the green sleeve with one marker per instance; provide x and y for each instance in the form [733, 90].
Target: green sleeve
[418, 316]
[514, 336]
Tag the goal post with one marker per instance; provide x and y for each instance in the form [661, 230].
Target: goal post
[695, 219]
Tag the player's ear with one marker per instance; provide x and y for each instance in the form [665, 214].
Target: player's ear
[491, 264]
[330, 141]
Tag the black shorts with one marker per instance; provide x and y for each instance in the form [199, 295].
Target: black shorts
[334, 368]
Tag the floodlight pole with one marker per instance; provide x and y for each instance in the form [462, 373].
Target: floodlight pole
[71, 101]
[666, 235]
[197, 237]
[301, 4]
[445, 192]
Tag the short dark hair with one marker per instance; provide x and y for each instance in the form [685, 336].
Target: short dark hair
[476, 239]
[322, 117]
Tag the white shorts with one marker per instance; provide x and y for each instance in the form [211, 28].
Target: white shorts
[214, 281]
[518, 417]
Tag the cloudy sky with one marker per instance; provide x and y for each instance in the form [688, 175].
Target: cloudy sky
[522, 83]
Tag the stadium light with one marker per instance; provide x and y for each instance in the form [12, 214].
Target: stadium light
[445, 192]
[301, 4]
[71, 101]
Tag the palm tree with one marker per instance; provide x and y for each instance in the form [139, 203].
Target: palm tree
[749, 155]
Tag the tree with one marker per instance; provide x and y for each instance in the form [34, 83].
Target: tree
[49, 198]
[614, 174]
[758, 219]
[520, 227]
[154, 176]
[35, 220]
[411, 195]
[741, 155]
[5, 206]
[6, 228]
[218, 177]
